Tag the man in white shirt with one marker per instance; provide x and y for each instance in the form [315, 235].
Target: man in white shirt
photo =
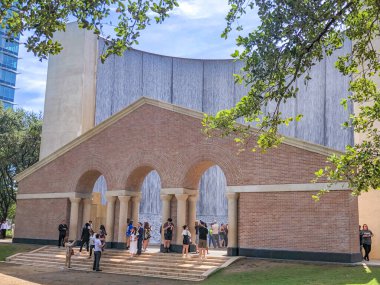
[97, 253]
[3, 228]
[215, 233]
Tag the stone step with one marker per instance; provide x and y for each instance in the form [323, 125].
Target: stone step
[125, 253]
[153, 259]
[185, 275]
[152, 264]
[199, 269]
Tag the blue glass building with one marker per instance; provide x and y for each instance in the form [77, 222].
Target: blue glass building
[8, 68]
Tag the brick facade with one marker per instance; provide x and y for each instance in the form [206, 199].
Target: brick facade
[170, 141]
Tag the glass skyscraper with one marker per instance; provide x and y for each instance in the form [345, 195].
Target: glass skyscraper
[8, 68]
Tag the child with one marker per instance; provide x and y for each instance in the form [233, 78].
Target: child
[69, 251]
[92, 242]
[133, 242]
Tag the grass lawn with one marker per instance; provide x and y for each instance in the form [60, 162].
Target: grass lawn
[7, 249]
[265, 272]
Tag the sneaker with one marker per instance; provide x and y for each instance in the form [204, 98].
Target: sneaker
[98, 270]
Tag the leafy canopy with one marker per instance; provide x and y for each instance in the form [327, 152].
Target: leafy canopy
[293, 36]
[41, 18]
[20, 138]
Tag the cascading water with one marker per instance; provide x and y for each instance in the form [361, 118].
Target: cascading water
[208, 86]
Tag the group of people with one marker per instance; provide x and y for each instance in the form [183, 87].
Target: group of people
[138, 237]
[217, 235]
[94, 241]
[365, 238]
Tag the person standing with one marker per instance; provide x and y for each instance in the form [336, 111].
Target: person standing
[168, 228]
[133, 242]
[147, 235]
[140, 237]
[97, 253]
[203, 232]
[62, 229]
[92, 242]
[196, 236]
[215, 234]
[69, 251]
[128, 232]
[3, 228]
[186, 241]
[85, 237]
[367, 241]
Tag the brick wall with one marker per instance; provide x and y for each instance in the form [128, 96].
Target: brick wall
[39, 218]
[293, 221]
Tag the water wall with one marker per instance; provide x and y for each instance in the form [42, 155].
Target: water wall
[208, 86]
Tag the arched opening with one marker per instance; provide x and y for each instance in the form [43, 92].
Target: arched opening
[91, 206]
[150, 207]
[146, 180]
[212, 206]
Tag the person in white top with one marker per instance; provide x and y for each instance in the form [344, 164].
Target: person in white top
[186, 241]
[133, 242]
[97, 252]
[215, 233]
[4, 227]
[92, 242]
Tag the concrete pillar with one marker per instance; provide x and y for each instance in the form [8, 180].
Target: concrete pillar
[192, 214]
[110, 219]
[86, 210]
[123, 217]
[181, 214]
[232, 223]
[135, 209]
[74, 210]
[165, 211]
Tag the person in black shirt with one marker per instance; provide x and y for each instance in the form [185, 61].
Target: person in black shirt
[203, 232]
[62, 228]
[85, 238]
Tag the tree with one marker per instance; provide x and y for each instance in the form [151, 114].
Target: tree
[293, 36]
[42, 18]
[20, 138]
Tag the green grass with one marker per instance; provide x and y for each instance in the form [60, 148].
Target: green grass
[280, 273]
[7, 249]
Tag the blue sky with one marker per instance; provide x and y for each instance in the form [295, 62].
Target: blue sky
[192, 31]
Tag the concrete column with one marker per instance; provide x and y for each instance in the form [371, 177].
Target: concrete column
[181, 214]
[165, 211]
[192, 214]
[123, 217]
[86, 210]
[232, 223]
[74, 210]
[135, 209]
[110, 219]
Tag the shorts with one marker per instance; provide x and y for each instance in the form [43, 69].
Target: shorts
[202, 243]
[196, 239]
[168, 236]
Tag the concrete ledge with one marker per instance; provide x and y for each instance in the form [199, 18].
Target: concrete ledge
[36, 241]
[232, 251]
[301, 255]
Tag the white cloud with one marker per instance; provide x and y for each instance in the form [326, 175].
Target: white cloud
[201, 9]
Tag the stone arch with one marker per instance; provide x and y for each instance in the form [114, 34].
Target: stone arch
[205, 156]
[139, 165]
[84, 173]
